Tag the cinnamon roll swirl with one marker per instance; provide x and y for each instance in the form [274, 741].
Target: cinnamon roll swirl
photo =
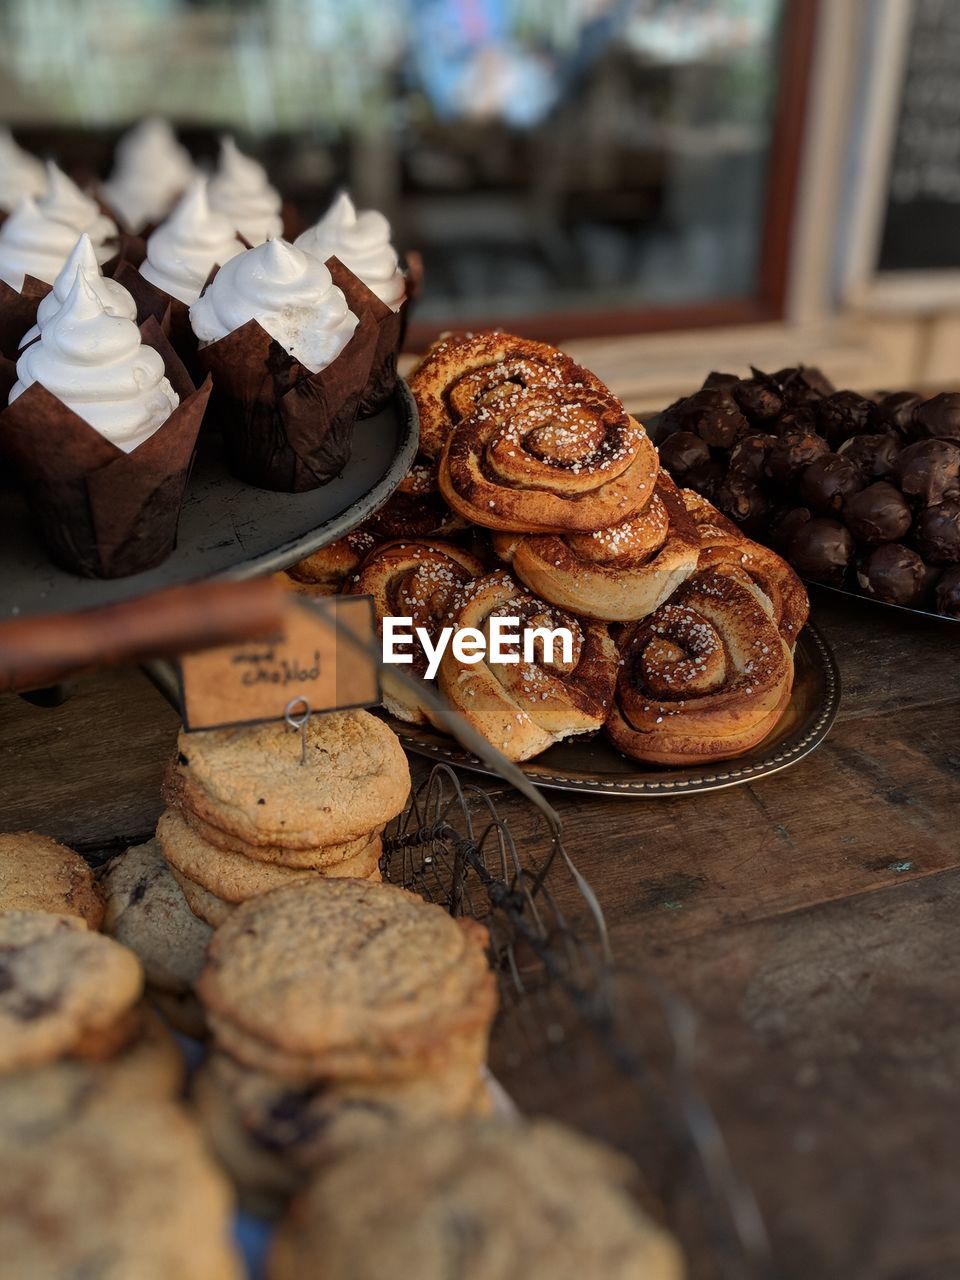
[324, 572]
[415, 509]
[464, 371]
[548, 462]
[418, 580]
[618, 574]
[704, 678]
[724, 548]
[524, 707]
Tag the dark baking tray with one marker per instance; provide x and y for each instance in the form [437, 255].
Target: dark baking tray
[227, 528]
[596, 766]
[861, 598]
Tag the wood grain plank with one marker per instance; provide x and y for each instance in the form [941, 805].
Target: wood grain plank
[87, 772]
[830, 1048]
[874, 806]
[887, 659]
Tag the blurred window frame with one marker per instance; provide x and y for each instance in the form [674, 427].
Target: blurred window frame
[769, 302]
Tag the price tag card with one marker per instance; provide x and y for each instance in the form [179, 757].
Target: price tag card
[325, 656]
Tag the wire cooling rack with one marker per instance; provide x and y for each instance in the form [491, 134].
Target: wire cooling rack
[578, 1036]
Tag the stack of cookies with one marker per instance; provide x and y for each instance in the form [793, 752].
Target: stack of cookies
[340, 1009]
[252, 809]
[67, 995]
[101, 1171]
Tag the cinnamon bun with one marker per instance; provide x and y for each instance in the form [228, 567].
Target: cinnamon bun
[549, 462]
[617, 574]
[524, 707]
[705, 677]
[324, 572]
[724, 548]
[418, 580]
[415, 509]
[464, 371]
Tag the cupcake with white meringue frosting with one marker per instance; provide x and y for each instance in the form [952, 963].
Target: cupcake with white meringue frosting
[114, 298]
[362, 242]
[33, 249]
[241, 191]
[64, 202]
[96, 364]
[101, 426]
[183, 251]
[21, 174]
[151, 171]
[33, 244]
[289, 359]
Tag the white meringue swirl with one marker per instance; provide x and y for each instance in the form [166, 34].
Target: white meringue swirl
[116, 300]
[241, 191]
[21, 174]
[362, 242]
[183, 251]
[97, 366]
[65, 202]
[150, 171]
[32, 244]
[288, 293]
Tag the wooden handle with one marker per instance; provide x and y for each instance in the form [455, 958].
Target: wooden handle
[40, 651]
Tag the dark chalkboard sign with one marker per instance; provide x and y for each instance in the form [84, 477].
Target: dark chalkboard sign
[921, 223]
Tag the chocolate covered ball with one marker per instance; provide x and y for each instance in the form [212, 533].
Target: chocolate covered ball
[821, 549]
[793, 451]
[758, 397]
[827, 481]
[706, 477]
[842, 415]
[929, 471]
[875, 455]
[712, 415]
[938, 418]
[785, 524]
[743, 500]
[801, 418]
[895, 411]
[938, 533]
[671, 419]
[895, 574]
[681, 452]
[877, 513]
[715, 379]
[803, 385]
[948, 593]
[749, 454]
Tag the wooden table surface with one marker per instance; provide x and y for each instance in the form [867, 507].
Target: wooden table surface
[812, 920]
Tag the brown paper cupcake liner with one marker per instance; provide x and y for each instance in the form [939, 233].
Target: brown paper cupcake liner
[389, 324]
[283, 427]
[171, 314]
[18, 312]
[104, 513]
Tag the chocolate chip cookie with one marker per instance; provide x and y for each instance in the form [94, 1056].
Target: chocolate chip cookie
[250, 782]
[147, 912]
[40, 874]
[112, 1188]
[64, 991]
[474, 1200]
[347, 979]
